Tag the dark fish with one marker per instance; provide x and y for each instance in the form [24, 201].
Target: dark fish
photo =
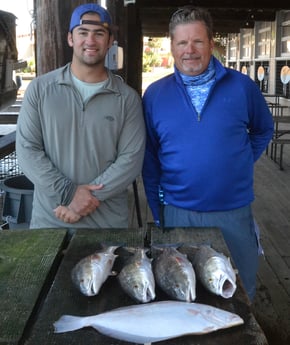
[136, 277]
[215, 271]
[90, 273]
[174, 274]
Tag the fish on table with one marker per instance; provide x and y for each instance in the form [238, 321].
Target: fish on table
[214, 270]
[136, 277]
[175, 275]
[152, 322]
[89, 274]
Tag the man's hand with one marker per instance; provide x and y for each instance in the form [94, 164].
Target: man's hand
[66, 215]
[83, 202]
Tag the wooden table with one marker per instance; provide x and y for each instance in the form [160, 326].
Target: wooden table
[36, 287]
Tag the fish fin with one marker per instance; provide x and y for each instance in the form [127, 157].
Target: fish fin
[188, 250]
[230, 263]
[131, 250]
[68, 323]
[160, 247]
[108, 247]
[146, 250]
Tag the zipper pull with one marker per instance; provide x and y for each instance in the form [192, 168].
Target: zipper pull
[198, 117]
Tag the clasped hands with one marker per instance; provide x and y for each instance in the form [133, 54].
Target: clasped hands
[82, 204]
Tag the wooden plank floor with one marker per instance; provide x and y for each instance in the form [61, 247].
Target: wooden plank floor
[271, 306]
[272, 212]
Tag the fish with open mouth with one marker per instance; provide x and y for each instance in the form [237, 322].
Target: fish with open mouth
[215, 271]
[136, 277]
[89, 274]
[152, 322]
[175, 275]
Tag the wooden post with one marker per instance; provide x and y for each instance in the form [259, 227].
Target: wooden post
[52, 25]
[134, 47]
[130, 38]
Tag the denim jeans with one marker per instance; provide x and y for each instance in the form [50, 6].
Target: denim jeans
[240, 233]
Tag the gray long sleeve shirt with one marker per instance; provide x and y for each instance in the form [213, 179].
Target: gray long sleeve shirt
[62, 142]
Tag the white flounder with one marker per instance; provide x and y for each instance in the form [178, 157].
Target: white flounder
[152, 322]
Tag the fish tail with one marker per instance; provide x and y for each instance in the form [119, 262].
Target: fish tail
[68, 323]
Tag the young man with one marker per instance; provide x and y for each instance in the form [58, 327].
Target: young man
[80, 134]
[206, 126]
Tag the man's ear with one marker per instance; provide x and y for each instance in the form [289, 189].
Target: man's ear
[70, 39]
[212, 44]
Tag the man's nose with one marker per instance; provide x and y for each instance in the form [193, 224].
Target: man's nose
[91, 38]
[191, 47]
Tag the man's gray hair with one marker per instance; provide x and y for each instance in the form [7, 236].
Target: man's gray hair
[190, 14]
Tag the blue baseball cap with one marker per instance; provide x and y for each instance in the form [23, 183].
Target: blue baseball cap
[76, 18]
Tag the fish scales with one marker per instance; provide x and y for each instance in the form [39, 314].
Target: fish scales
[175, 275]
[215, 271]
[165, 320]
[136, 277]
[89, 274]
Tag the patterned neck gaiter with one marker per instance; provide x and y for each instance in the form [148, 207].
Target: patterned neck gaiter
[198, 86]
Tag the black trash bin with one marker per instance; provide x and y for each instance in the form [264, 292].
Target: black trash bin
[18, 198]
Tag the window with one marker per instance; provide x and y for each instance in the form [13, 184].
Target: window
[246, 44]
[285, 34]
[233, 44]
[264, 39]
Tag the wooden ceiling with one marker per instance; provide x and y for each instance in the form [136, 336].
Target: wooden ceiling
[228, 16]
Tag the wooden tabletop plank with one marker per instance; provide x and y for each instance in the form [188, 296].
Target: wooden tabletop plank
[26, 259]
[189, 236]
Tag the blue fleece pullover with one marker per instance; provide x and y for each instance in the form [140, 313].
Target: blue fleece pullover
[208, 164]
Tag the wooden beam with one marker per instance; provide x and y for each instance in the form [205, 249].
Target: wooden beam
[277, 5]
